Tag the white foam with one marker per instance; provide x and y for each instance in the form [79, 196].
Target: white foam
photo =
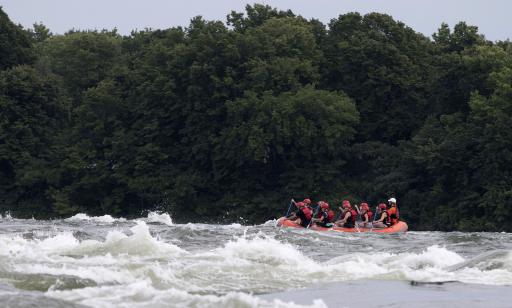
[15, 245]
[143, 294]
[141, 242]
[265, 250]
[138, 269]
[101, 219]
[6, 216]
[157, 217]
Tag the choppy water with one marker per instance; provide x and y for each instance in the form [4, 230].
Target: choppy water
[151, 262]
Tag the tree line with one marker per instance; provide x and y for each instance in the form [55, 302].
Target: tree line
[226, 121]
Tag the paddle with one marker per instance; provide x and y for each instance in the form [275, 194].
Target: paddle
[374, 215]
[358, 218]
[358, 213]
[289, 207]
[313, 216]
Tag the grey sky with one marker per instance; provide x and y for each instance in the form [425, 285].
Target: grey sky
[425, 16]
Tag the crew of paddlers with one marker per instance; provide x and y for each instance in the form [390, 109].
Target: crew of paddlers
[349, 216]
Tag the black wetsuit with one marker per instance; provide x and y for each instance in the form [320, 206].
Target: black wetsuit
[325, 221]
[304, 221]
[349, 223]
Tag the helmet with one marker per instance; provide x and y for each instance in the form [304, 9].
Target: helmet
[346, 204]
[383, 206]
[301, 204]
[392, 200]
[365, 206]
[324, 206]
[307, 201]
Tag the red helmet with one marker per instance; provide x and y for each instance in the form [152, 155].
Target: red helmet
[307, 201]
[324, 206]
[383, 206]
[301, 204]
[346, 204]
[365, 206]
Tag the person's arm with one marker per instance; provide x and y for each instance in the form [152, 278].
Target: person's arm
[347, 216]
[382, 217]
[365, 217]
[341, 213]
[324, 217]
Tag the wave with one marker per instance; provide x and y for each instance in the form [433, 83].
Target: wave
[158, 217]
[144, 294]
[152, 217]
[6, 216]
[100, 219]
[224, 272]
[141, 242]
[430, 265]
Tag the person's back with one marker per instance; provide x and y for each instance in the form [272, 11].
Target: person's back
[393, 212]
[305, 214]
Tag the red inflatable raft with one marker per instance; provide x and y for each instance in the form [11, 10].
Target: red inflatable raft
[401, 226]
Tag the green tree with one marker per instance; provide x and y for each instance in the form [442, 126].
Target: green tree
[15, 45]
[33, 112]
[273, 141]
[81, 59]
[385, 67]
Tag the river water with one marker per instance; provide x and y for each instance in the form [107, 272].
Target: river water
[152, 262]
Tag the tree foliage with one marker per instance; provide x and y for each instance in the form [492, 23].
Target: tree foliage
[218, 121]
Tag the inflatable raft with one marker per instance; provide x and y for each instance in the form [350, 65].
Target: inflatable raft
[401, 226]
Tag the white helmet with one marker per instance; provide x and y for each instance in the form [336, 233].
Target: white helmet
[392, 200]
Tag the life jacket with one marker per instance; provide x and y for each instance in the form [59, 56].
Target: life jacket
[330, 216]
[370, 215]
[377, 218]
[308, 213]
[393, 215]
[353, 216]
[325, 220]
[304, 214]
[351, 222]
[319, 214]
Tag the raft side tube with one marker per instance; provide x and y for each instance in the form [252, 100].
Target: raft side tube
[401, 226]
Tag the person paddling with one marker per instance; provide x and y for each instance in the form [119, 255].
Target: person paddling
[382, 217]
[394, 216]
[325, 216]
[303, 215]
[348, 216]
[366, 215]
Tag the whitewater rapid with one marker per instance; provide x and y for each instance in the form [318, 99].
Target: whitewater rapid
[152, 262]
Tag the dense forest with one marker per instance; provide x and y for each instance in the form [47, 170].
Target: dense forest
[226, 121]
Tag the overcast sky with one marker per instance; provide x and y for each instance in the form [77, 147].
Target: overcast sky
[491, 16]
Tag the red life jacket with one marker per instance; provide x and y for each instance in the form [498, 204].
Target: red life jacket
[370, 215]
[350, 223]
[353, 216]
[307, 212]
[330, 216]
[387, 220]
